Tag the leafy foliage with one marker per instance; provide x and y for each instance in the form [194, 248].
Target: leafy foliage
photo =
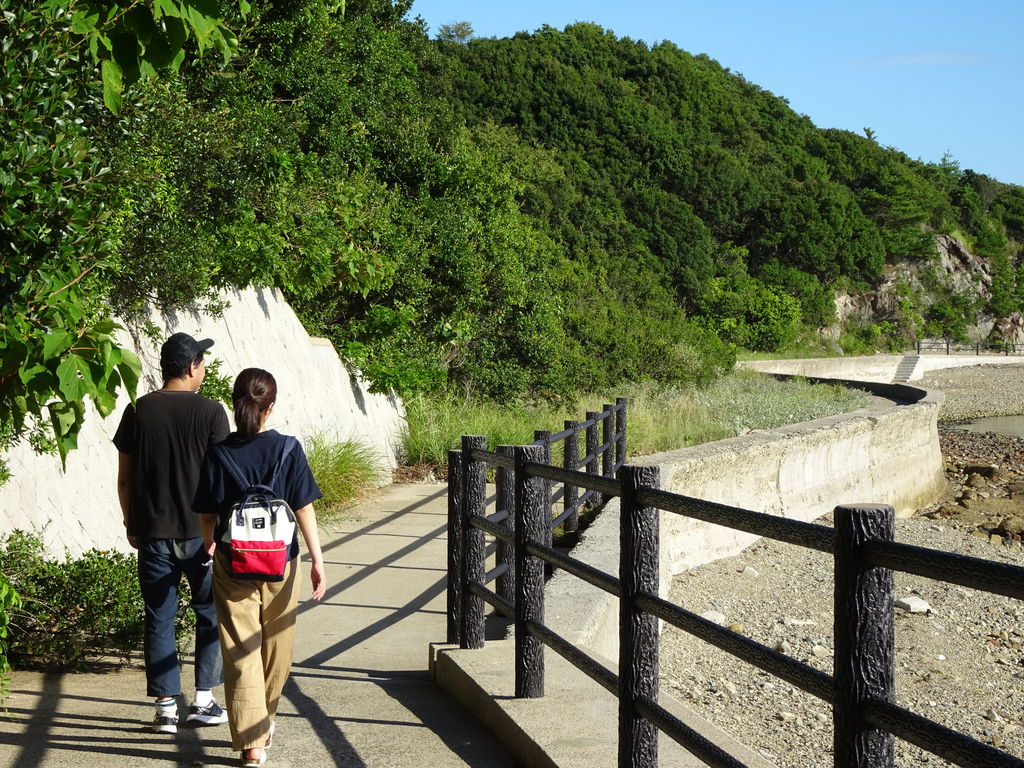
[56, 347]
[216, 385]
[10, 601]
[71, 612]
[558, 211]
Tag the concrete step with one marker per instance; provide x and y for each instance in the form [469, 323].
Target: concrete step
[906, 368]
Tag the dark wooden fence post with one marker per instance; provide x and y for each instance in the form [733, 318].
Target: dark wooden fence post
[505, 552]
[571, 460]
[544, 437]
[864, 636]
[608, 452]
[591, 447]
[454, 547]
[620, 430]
[638, 631]
[608, 440]
[529, 604]
[474, 552]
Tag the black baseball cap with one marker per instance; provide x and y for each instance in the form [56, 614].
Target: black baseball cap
[180, 350]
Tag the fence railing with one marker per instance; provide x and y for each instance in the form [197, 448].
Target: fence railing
[866, 717]
[604, 441]
[950, 347]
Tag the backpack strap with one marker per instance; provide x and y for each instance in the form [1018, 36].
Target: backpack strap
[289, 443]
[232, 467]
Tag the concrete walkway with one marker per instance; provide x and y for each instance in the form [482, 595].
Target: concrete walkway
[359, 694]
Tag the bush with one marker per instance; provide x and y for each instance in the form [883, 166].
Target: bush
[10, 601]
[76, 611]
[345, 470]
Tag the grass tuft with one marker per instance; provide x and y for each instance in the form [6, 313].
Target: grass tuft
[346, 471]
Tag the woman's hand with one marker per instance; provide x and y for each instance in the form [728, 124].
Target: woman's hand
[319, 579]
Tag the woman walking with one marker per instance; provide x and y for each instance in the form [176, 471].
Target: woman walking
[256, 614]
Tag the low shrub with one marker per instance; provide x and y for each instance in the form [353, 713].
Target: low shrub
[75, 611]
[345, 470]
[10, 601]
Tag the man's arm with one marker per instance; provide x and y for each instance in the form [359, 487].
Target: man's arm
[125, 476]
[208, 524]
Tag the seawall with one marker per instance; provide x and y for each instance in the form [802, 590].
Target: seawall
[887, 452]
[77, 509]
[873, 368]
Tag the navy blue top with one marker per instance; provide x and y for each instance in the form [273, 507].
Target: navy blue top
[218, 490]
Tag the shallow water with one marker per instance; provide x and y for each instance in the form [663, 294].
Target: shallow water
[1013, 426]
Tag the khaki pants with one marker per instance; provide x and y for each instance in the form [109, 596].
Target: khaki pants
[257, 635]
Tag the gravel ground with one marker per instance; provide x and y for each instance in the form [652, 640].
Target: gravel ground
[960, 663]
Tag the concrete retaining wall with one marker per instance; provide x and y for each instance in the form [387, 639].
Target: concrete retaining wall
[78, 509]
[877, 368]
[884, 453]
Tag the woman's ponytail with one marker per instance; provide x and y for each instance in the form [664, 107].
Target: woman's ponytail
[255, 390]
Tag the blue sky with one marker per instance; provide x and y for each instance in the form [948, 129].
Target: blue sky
[928, 77]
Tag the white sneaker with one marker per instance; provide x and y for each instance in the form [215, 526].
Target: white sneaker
[210, 714]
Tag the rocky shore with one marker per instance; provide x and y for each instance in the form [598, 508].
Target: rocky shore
[960, 653]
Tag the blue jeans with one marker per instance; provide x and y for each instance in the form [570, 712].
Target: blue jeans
[161, 565]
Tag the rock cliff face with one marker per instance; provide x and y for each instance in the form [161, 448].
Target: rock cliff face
[78, 509]
[954, 266]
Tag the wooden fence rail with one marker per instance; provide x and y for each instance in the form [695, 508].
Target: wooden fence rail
[604, 433]
[866, 717]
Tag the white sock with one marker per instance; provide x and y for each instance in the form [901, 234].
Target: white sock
[167, 706]
[202, 698]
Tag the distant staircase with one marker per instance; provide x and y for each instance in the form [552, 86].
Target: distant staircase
[906, 368]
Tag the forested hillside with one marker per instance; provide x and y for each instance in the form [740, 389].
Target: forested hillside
[556, 212]
[737, 202]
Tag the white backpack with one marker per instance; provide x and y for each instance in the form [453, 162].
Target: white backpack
[262, 527]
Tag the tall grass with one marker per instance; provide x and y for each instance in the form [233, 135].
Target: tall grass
[346, 471]
[661, 418]
[435, 425]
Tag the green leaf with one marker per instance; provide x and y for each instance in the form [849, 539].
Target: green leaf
[55, 343]
[75, 378]
[27, 374]
[112, 85]
[202, 17]
[131, 371]
[83, 22]
[64, 419]
[103, 328]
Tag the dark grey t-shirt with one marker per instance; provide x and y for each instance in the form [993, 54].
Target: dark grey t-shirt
[167, 434]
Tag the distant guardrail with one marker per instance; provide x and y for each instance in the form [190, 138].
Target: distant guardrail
[950, 347]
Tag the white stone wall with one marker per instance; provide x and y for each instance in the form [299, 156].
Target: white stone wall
[78, 509]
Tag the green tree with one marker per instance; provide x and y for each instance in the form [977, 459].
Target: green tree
[56, 343]
[457, 32]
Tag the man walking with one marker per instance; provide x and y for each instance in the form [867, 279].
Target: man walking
[161, 442]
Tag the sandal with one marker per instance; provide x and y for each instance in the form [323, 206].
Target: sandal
[254, 762]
